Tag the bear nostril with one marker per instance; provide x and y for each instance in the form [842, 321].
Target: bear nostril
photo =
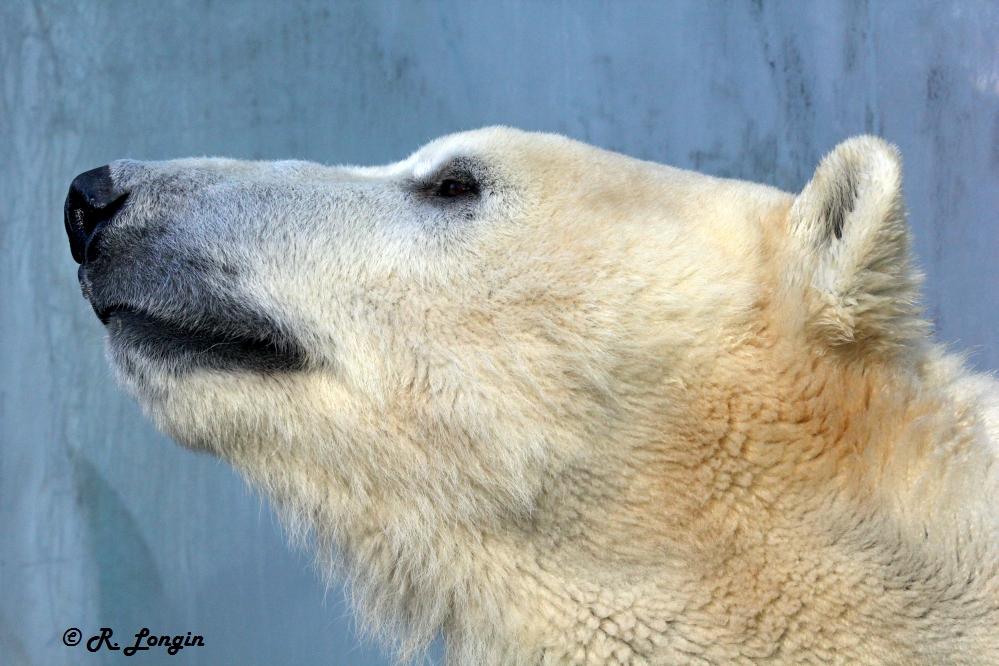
[92, 201]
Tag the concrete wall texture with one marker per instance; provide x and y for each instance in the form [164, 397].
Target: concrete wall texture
[104, 522]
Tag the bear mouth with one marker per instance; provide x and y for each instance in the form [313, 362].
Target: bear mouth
[239, 344]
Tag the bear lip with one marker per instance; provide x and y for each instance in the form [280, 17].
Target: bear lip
[214, 345]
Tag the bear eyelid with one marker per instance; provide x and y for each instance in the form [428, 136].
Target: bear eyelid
[452, 188]
[434, 183]
[455, 179]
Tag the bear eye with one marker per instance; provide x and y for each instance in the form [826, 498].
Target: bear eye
[451, 188]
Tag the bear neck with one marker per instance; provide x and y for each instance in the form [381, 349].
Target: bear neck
[825, 506]
[823, 509]
[793, 508]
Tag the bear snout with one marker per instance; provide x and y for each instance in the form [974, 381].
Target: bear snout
[92, 201]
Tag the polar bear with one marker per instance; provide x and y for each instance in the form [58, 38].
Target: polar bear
[569, 407]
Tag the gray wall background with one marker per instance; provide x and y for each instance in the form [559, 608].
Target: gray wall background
[104, 522]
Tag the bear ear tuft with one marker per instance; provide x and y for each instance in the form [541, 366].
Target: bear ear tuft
[849, 228]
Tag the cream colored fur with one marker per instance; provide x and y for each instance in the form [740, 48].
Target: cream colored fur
[622, 414]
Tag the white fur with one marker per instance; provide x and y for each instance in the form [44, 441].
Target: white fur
[617, 413]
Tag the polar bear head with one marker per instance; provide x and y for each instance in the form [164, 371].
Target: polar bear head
[506, 343]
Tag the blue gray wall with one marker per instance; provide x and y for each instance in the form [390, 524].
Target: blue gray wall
[104, 522]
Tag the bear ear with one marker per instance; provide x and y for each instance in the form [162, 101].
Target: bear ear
[849, 228]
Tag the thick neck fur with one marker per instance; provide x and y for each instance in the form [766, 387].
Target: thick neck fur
[782, 522]
[833, 509]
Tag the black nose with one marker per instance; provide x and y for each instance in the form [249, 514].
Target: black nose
[91, 202]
